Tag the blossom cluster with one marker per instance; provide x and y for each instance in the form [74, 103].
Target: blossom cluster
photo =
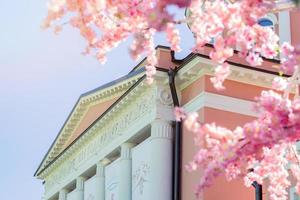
[106, 23]
[291, 57]
[233, 25]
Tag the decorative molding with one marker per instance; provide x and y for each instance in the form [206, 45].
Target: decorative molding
[221, 102]
[161, 129]
[100, 169]
[126, 150]
[164, 96]
[164, 102]
[140, 177]
[199, 67]
[100, 166]
[136, 106]
[81, 108]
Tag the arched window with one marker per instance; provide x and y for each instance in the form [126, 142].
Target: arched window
[270, 20]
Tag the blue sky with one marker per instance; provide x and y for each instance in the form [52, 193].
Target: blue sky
[41, 77]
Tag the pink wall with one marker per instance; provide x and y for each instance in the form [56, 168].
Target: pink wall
[189, 180]
[295, 26]
[233, 89]
[221, 189]
[192, 90]
[92, 114]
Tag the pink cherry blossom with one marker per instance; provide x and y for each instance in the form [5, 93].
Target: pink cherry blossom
[291, 58]
[150, 71]
[179, 113]
[279, 83]
[221, 73]
[173, 37]
[287, 49]
[221, 52]
[192, 122]
[254, 59]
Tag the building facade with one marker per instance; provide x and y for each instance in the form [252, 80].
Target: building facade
[118, 141]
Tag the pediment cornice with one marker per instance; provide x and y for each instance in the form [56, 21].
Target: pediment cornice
[109, 91]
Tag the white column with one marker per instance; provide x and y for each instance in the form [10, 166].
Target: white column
[161, 160]
[125, 171]
[100, 179]
[80, 188]
[62, 194]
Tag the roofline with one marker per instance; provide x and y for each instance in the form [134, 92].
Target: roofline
[134, 72]
[81, 96]
[273, 60]
[192, 55]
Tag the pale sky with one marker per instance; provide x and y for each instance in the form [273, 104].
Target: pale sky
[41, 78]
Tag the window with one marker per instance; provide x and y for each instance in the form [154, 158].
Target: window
[270, 20]
[265, 22]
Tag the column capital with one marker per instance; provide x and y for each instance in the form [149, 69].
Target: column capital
[126, 150]
[101, 165]
[62, 195]
[125, 168]
[161, 129]
[80, 182]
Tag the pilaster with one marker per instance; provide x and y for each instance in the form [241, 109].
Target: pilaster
[125, 171]
[62, 194]
[100, 179]
[161, 160]
[161, 129]
[80, 188]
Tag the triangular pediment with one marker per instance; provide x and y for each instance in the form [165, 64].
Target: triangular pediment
[89, 107]
[92, 105]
